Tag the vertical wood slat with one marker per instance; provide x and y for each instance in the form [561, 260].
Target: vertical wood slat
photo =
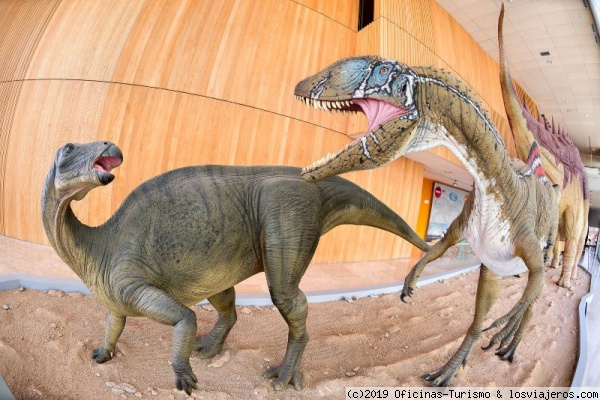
[343, 11]
[21, 26]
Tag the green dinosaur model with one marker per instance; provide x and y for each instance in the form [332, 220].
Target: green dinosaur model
[192, 234]
[563, 166]
[509, 219]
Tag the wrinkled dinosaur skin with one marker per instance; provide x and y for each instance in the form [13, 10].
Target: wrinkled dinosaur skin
[563, 166]
[192, 234]
[509, 219]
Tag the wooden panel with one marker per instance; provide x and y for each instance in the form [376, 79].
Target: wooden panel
[21, 26]
[160, 130]
[236, 51]
[191, 82]
[64, 112]
[411, 16]
[84, 39]
[9, 94]
[471, 63]
[164, 127]
[343, 11]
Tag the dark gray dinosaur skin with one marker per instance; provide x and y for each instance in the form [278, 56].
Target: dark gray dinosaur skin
[192, 234]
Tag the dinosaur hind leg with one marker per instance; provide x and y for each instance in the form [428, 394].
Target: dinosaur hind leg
[487, 292]
[294, 310]
[211, 344]
[516, 320]
[286, 260]
[569, 262]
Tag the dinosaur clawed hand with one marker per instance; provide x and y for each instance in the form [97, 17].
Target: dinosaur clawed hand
[184, 377]
[285, 376]
[406, 292]
[101, 355]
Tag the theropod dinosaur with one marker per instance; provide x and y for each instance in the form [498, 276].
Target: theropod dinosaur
[510, 217]
[563, 166]
[192, 234]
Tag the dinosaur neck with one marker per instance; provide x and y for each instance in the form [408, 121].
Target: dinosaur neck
[68, 236]
[450, 117]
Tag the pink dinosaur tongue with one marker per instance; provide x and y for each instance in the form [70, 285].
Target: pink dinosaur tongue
[378, 112]
[106, 164]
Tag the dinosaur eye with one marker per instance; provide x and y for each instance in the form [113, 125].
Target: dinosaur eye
[68, 148]
[384, 70]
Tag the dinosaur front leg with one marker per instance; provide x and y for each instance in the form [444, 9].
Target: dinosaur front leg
[212, 343]
[438, 249]
[453, 235]
[487, 292]
[516, 320]
[157, 305]
[113, 329]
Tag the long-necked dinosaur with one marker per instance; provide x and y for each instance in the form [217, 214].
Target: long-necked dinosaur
[562, 164]
[510, 218]
[192, 234]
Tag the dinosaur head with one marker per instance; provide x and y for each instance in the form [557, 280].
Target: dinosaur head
[384, 90]
[78, 168]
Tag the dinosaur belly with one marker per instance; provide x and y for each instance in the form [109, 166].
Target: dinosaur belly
[491, 241]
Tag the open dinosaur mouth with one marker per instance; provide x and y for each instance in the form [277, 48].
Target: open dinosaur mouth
[111, 158]
[377, 112]
[106, 164]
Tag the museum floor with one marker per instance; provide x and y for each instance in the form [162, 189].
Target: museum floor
[322, 282]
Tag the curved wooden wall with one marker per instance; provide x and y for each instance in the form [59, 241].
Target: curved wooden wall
[195, 82]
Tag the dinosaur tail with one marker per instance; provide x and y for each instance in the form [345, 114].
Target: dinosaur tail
[517, 122]
[350, 204]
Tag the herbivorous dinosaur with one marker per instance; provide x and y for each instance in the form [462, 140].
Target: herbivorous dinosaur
[192, 234]
[510, 217]
[562, 164]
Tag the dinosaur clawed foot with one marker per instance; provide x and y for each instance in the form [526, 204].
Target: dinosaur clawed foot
[505, 338]
[507, 354]
[438, 378]
[565, 283]
[101, 355]
[208, 346]
[184, 377]
[444, 375]
[285, 376]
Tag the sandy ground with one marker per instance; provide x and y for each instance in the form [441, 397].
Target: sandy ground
[46, 340]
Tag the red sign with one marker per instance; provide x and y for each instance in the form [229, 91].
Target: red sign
[438, 192]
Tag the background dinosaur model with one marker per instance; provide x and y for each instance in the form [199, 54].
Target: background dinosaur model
[193, 233]
[510, 218]
[563, 166]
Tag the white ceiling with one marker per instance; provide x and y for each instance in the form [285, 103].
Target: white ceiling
[566, 84]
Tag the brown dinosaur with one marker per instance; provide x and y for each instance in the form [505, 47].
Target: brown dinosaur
[509, 219]
[563, 166]
[192, 234]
